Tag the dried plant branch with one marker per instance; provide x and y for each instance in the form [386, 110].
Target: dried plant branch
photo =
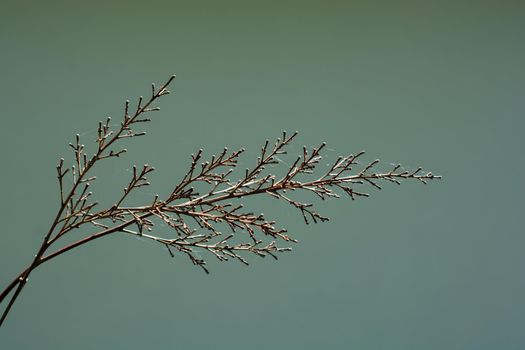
[193, 220]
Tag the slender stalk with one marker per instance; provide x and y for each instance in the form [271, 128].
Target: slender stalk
[194, 219]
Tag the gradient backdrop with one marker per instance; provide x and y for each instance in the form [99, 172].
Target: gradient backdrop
[433, 83]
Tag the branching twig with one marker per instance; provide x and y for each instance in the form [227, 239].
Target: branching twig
[194, 219]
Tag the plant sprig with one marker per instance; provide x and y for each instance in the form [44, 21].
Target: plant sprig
[193, 220]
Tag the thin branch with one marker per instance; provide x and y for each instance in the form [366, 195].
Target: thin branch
[193, 221]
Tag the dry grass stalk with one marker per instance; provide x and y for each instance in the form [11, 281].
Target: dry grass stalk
[195, 217]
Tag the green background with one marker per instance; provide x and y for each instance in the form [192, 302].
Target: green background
[434, 83]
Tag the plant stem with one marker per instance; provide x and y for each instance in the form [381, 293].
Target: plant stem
[21, 280]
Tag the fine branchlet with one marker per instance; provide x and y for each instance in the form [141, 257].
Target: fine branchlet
[205, 211]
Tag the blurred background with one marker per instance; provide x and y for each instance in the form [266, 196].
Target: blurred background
[433, 83]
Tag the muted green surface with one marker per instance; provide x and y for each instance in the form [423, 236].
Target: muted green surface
[432, 83]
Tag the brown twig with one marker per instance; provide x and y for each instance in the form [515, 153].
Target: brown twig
[195, 219]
